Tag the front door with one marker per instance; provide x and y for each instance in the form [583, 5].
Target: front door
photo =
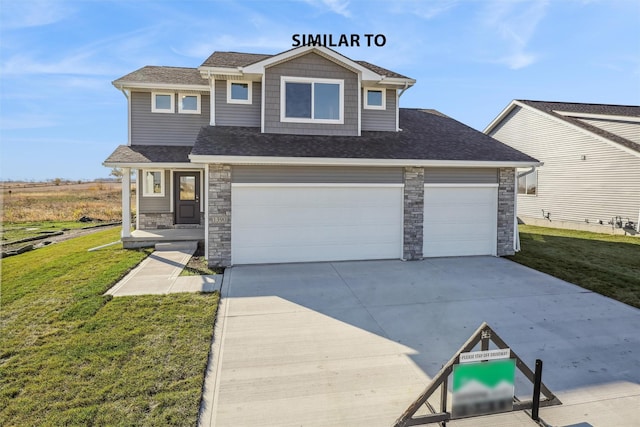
[187, 197]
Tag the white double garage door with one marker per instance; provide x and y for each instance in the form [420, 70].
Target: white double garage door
[274, 223]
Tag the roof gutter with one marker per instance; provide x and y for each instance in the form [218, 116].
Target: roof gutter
[320, 161]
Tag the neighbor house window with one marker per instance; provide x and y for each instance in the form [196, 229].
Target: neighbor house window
[375, 99]
[189, 103]
[528, 184]
[162, 102]
[153, 183]
[311, 100]
[238, 92]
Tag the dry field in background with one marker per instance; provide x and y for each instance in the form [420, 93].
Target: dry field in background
[33, 202]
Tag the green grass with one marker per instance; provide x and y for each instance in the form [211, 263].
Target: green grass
[71, 356]
[603, 263]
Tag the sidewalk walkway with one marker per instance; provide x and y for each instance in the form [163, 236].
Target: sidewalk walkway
[159, 273]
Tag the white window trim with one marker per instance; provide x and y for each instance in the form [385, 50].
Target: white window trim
[375, 107]
[198, 103]
[283, 101]
[240, 101]
[161, 110]
[526, 177]
[145, 190]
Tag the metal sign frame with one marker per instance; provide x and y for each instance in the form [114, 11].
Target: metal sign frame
[483, 335]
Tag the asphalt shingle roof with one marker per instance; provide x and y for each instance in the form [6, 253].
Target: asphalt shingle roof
[239, 59]
[150, 154]
[163, 75]
[151, 74]
[604, 109]
[425, 135]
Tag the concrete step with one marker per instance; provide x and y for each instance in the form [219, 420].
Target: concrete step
[186, 247]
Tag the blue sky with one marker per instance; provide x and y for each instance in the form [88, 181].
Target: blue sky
[61, 117]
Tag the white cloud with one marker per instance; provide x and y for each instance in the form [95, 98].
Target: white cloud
[340, 7]
[515, 23]
[32, 13]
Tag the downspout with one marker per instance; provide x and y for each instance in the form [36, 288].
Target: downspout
[126, 95]
[212, 99]
[516, 231]
[398, 95]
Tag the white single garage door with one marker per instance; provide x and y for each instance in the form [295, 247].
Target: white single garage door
[273, 223]
[460, 220]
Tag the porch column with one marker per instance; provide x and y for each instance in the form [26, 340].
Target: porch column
[126, 202]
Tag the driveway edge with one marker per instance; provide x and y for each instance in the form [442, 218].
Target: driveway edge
[209, 399]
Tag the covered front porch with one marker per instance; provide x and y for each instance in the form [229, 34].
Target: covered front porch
[169, 195]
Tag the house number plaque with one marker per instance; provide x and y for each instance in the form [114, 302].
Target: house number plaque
[220, 219]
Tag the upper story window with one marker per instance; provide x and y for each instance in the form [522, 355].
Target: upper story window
[189, 103]
[375, 99]
[528, 184]
[153, 183]
[238, 92]
[308, 100]
[162, 102]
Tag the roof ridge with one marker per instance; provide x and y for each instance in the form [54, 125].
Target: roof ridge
[578, 103]
[169, 66]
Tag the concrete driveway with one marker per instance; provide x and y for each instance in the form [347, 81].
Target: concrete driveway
[354, 343]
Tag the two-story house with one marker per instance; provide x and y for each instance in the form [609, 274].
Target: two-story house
[306, 156]
[591, 153]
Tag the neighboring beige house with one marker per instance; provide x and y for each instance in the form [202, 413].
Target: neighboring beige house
[307, 156]
[590, 178]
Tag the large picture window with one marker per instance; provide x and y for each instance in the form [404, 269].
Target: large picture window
[153, 183]
[528, 184]
[311, 100]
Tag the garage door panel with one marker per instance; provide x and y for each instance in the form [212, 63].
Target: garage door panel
[259, 255]
[298, 216]
[315, 223]
[459, 213]
[460, 221]
[306, 236]
[462, 231]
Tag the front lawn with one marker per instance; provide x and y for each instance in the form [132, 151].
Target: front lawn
[71, 356]
[604, 263]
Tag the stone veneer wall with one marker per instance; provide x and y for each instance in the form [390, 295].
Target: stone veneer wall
[506, 205]
[413, 213]
[162, 220]
[219, 215]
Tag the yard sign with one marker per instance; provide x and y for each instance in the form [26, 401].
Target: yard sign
[483, 387]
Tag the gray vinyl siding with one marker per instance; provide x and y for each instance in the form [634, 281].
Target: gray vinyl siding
[604, 185]
[310, 65]
[149, 128]
[628, 130]
[238, 114]
[460, 176]
[156, 204]
[381, 120]
[316, 174]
